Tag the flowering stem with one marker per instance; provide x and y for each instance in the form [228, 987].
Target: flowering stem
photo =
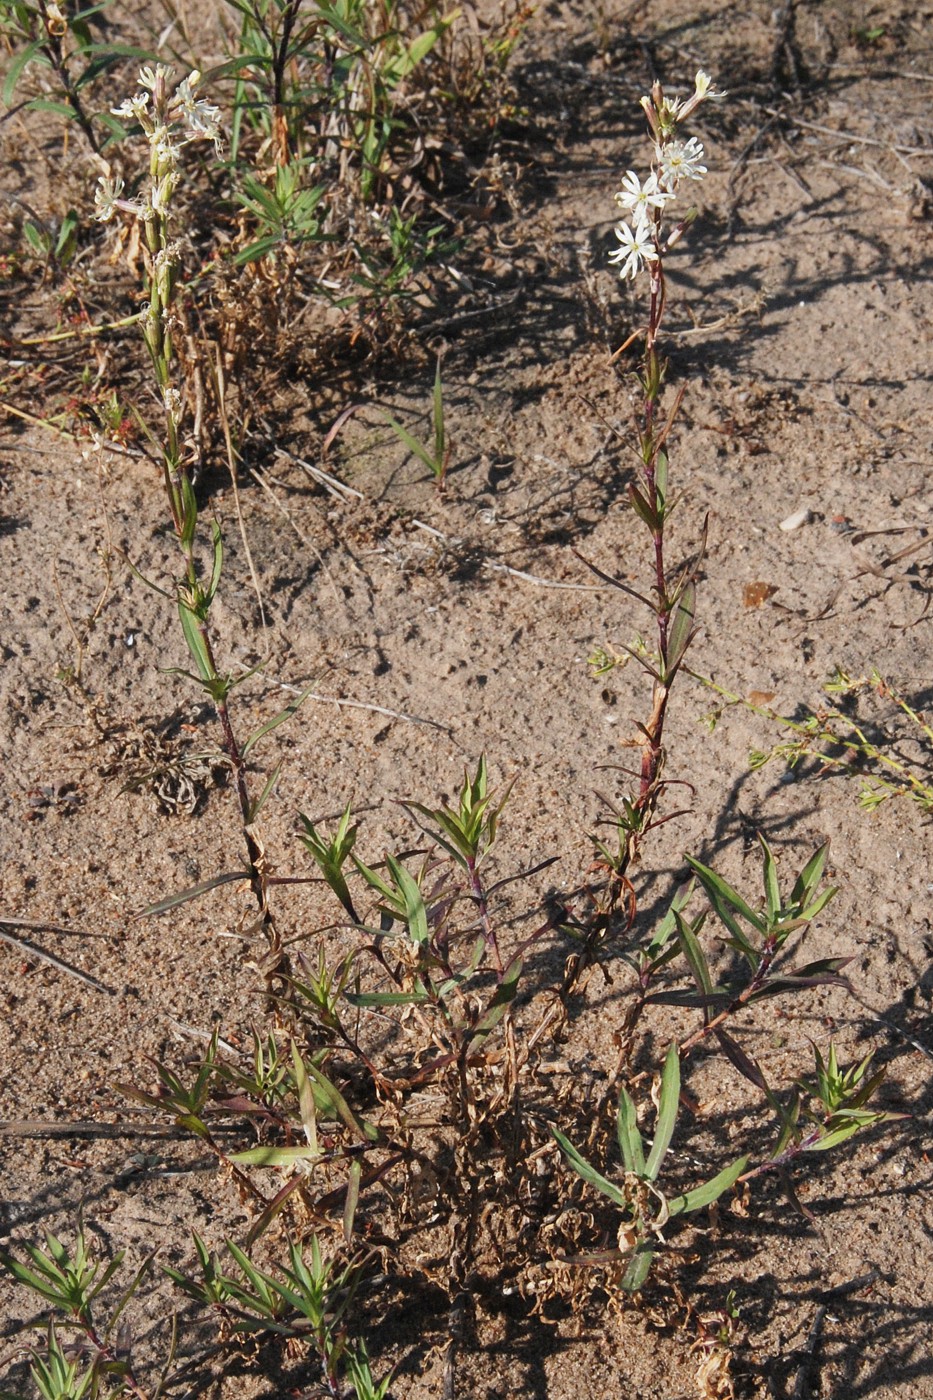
[170, 120]
[643, 243]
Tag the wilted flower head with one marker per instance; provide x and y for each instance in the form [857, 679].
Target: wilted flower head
[55, 21]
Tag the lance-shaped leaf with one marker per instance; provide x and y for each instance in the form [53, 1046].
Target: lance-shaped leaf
[638, 1269]
[770, 878]
[196, 641]
[705, 1195]
[743, 1062]
[276, 719]
[502, 999]
[589, 1173]
[271, 1156]
[824, 973]
[331, 1103]
[726, 901]
[668, 1104]
[694, 954]
[668, 925]
[416, 914]
[194, 892]
[630, 1139]
[809, 877]
[681, 631]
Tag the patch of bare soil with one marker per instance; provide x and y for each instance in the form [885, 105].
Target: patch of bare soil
[436, 627]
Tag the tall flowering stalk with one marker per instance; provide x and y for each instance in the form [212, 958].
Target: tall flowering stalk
[645, 236]
[171, 118]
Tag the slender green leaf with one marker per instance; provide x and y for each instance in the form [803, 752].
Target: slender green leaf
[743, 1062]
[681, 630]
[13, 73]
[770, 877]
[668, 925]
[501, 1001]
[413, 998]
[257, 806]
[197, 645]
[57, 109]
[217, 542]
[414, 446]
[416, 914]
[439, 435]
[810, 876]
[630, 1139]
[724, 898]
[276, 720]
[194, 892]
[694, 954]
[589, 1174]
[271, 1156]
[353, 1197]
[330, 1100]
[262, 1222]
[306, 1103]
[638, 1269]
[702, 1196]
[810, 911]
[668, 1106]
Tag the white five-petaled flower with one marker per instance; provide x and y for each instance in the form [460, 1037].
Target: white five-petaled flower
[680, 160]
[636, 247]
[640, 198]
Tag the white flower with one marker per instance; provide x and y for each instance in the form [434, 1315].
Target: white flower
[108, 197]
[680, 160]
[641, 198]
[705, 92]
[201, 119]
[133, 108]
[636, 247]
[152, 78]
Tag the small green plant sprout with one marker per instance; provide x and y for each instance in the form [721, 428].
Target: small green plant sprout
[287, 214]
[437, 457]
[54, 246]
[825, 1111]
[70, 1283]
[58, 1378]
[838, 741]
[759, 937]
[647, 1211]
[331, 855]
[651, 228]
[437, 967]
[310, 1299]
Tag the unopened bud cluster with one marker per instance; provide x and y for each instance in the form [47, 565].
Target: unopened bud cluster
[675, 161]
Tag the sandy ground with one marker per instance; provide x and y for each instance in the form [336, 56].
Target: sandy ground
[462, 623]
